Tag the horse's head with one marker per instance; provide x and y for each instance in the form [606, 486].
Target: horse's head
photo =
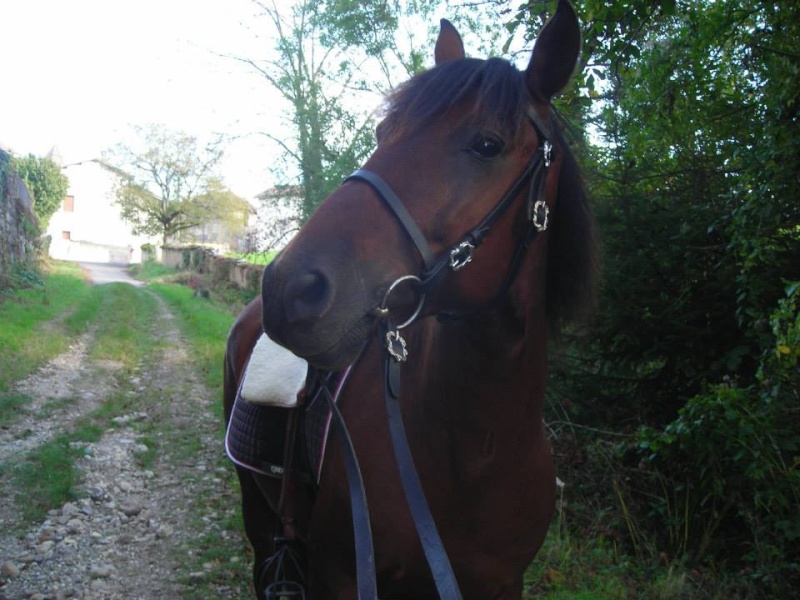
[464, 164]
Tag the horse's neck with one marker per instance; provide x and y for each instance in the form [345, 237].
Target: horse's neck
[491, 368]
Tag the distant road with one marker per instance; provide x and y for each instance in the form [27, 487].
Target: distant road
[109, 273]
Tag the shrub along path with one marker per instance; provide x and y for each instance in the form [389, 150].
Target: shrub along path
[114, 483]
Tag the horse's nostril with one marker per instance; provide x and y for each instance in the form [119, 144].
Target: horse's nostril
[308, 296]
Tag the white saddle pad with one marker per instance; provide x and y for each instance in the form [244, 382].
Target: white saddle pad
[274, 375]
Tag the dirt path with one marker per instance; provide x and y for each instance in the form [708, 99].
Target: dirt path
[132, 533]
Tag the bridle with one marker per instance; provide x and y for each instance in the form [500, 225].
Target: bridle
[461, 253]
[535, 174]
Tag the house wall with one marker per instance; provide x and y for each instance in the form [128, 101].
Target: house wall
[91, 229]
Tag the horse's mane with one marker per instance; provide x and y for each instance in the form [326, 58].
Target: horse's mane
[499, 100]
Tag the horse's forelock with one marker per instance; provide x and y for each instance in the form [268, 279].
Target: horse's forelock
[494, 89]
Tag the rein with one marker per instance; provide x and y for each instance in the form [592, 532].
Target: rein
[434, 268]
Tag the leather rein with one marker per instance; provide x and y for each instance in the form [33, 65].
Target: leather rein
[435, 267]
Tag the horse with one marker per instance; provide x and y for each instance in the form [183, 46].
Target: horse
[470, 227]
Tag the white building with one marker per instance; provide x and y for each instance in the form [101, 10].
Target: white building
[88, 226]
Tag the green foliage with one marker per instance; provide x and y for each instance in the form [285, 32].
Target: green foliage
[168, 184]
[726, 470]
[219, 205]
[46, 183]
[323, 52]
[694, 114]
[148, 253]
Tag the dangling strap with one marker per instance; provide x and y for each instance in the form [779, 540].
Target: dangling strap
[432, 545]
[366, 581]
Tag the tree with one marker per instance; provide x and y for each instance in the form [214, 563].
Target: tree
[328, 53]
[168, 183]
[693, 167]
[227, 211]
[46, 183]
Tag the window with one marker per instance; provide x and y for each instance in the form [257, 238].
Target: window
[68, 204]
[65, 235]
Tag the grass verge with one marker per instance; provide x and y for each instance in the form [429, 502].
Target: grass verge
[39, 321]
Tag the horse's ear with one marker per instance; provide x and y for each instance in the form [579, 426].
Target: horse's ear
[555, 54]
[449, 45]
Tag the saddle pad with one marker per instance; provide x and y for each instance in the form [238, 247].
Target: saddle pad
[273, 375]
[255, 437]
[256, 434]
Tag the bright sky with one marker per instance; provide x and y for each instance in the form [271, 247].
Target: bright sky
[77, 74]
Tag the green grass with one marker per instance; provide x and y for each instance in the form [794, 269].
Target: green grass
[124, 333]
[30, 332]
[46, 477]
[9, 407]
[255, 258]
[570, 569]
[151, 271]
[204, 324]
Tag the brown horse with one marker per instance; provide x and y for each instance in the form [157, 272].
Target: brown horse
[467, 142]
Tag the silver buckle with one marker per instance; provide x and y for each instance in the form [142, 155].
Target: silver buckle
[396, 346]
[461, 255]
[541, 215]
[547, 151]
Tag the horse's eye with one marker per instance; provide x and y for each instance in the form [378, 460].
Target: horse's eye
[486, 147]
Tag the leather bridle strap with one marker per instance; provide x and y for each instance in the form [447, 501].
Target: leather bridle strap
[386, 193]
[366, 580]
[461, 253]
[432, 546]
[474, 237]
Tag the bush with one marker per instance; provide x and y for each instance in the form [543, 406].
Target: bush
[722, 481]
[148, 252]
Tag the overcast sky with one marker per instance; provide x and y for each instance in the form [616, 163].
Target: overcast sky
[77, 73]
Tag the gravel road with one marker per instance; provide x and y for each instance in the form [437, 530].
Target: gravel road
[132, 532]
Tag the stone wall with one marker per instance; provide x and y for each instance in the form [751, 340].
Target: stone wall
[222, 270]
[19, 227]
